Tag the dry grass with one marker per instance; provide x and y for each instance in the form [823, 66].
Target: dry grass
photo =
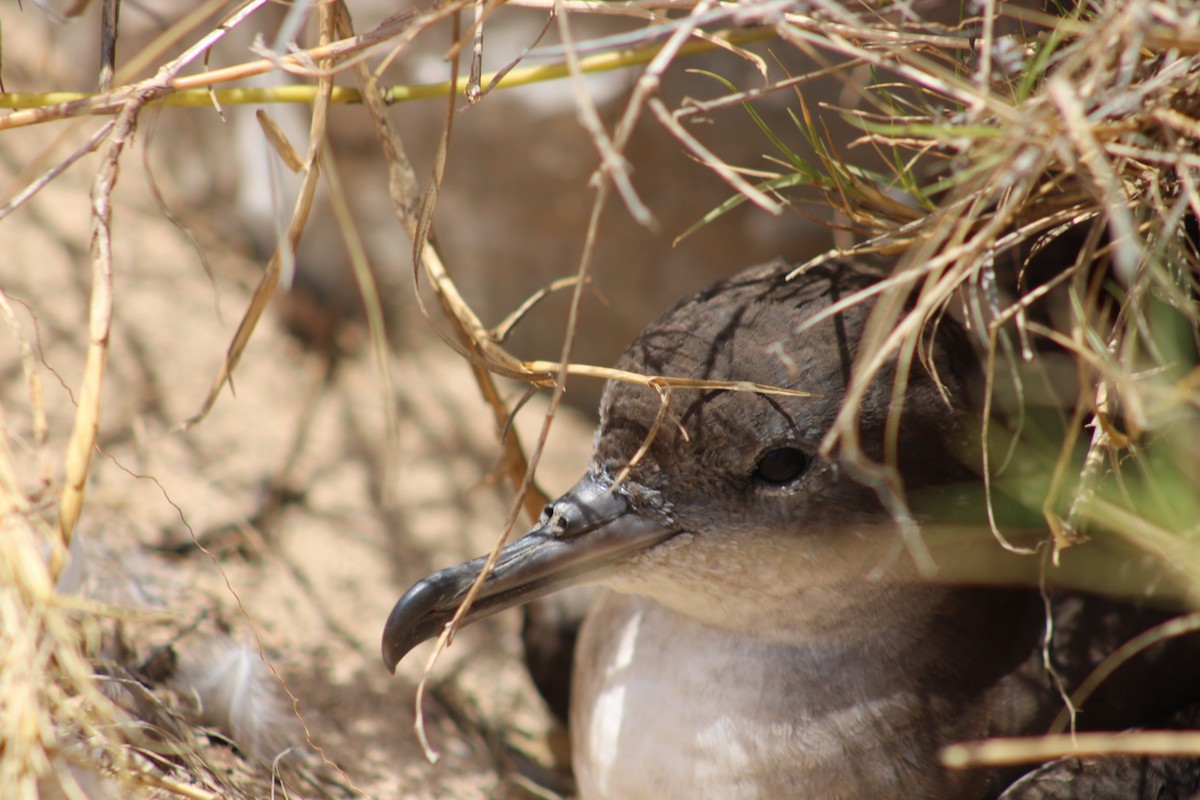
[1035, 174]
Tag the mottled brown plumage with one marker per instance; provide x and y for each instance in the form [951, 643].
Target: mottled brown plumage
[767, 636]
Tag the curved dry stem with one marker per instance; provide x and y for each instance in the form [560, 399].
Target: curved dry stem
[284, 250]
[664, 408]
[509, 323]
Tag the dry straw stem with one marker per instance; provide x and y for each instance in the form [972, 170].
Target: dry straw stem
[284, 251]
[368, 289]
[165, 85]
[12, 499]
[1037, 749]
[49, 702]
[194, 90]
[58, 728]
[87, 416]
[41, 664]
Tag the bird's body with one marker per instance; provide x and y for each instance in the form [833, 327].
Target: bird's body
[673, 708]
[767, 636]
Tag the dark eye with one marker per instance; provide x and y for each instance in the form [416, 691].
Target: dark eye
[782, 465]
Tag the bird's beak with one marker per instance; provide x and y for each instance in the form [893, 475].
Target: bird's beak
[579, 536]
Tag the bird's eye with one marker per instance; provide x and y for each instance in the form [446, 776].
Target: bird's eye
[781, 465]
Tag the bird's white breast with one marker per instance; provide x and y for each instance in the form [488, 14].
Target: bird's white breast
[665, 707]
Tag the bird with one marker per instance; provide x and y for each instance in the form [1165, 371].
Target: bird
[760, 632]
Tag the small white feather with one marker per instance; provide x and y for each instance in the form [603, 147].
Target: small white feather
[238, 695]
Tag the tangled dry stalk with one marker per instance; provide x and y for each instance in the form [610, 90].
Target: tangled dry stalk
[993, 138]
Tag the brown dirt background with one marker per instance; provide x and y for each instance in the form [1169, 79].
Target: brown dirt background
[311, 581]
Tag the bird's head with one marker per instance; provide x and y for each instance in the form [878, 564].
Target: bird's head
[728, 488]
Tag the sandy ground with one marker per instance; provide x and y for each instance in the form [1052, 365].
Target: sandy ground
[309, 580]
[516, 198]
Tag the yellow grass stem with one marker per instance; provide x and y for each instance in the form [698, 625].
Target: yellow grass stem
[192, 90]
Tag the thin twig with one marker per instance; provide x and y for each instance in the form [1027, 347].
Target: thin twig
[35, 186]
